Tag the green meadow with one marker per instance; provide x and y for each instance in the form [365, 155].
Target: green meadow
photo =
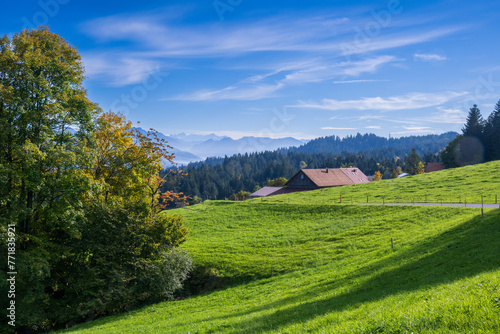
[287, 267]
[458, 185]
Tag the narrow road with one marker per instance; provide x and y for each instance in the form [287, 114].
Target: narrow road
[467, 205]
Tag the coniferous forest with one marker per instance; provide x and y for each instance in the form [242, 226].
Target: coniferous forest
[479, 141]
[219, 178]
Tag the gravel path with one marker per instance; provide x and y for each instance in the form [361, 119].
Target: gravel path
[468, 205]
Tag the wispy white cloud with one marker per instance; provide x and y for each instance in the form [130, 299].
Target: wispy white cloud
[358, 81]
[395, 40]
[377, 127]
[163, 34]
[317, 45]
[163, 37]
[118, 70]
[328, 69]
[428, 57]
[414, 130]
[238, 134]
[242, 93]
[333, 128]
[402, 102]
[369, 117]
[267, 84]
[447, 116]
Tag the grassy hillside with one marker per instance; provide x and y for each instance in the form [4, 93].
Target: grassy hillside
[292, 266]
[452, 185]
[334, 272]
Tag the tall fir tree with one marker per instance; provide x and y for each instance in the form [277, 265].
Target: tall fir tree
[412, 162]
[492, 135]
[475, 124]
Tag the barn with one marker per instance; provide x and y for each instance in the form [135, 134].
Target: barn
[312, 179]
[326, 177]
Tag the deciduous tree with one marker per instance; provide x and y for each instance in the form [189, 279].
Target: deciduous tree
[394, 174]
[45, 131]
[81, 188]
[420, 168]
[279, 182]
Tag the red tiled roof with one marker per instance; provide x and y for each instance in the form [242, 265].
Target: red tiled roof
[356, 175]
[335, 177]
[434, 167]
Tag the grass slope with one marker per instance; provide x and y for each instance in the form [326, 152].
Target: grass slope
[451, 186]
[334, 270]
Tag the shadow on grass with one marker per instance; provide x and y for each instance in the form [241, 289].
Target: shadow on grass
[464, 251]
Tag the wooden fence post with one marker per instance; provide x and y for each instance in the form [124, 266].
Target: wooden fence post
[482, 207]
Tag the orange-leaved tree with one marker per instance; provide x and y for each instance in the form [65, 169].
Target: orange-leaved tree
[128, 161]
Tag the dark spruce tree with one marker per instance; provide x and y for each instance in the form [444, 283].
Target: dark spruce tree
[412, 162]
[471, 146]
[474, 124]
[492, 135]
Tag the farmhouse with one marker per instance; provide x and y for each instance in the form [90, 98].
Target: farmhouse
[323, 178]
[311, 179]
[434, 167]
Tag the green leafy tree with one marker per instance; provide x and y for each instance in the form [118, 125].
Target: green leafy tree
[42, 101]
[279, 182]
[240, 196]
[195, 200]
[81, 188]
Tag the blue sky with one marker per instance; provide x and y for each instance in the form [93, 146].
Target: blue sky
[281, 68]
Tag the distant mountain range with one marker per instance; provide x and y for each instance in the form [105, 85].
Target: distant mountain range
[194, 148]
[191, 148]
[221, 177]
[370, 142]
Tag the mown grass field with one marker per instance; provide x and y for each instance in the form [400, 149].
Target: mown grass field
[334, 270]
[458, 185]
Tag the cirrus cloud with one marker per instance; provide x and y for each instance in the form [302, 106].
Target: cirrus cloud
[415, 100]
